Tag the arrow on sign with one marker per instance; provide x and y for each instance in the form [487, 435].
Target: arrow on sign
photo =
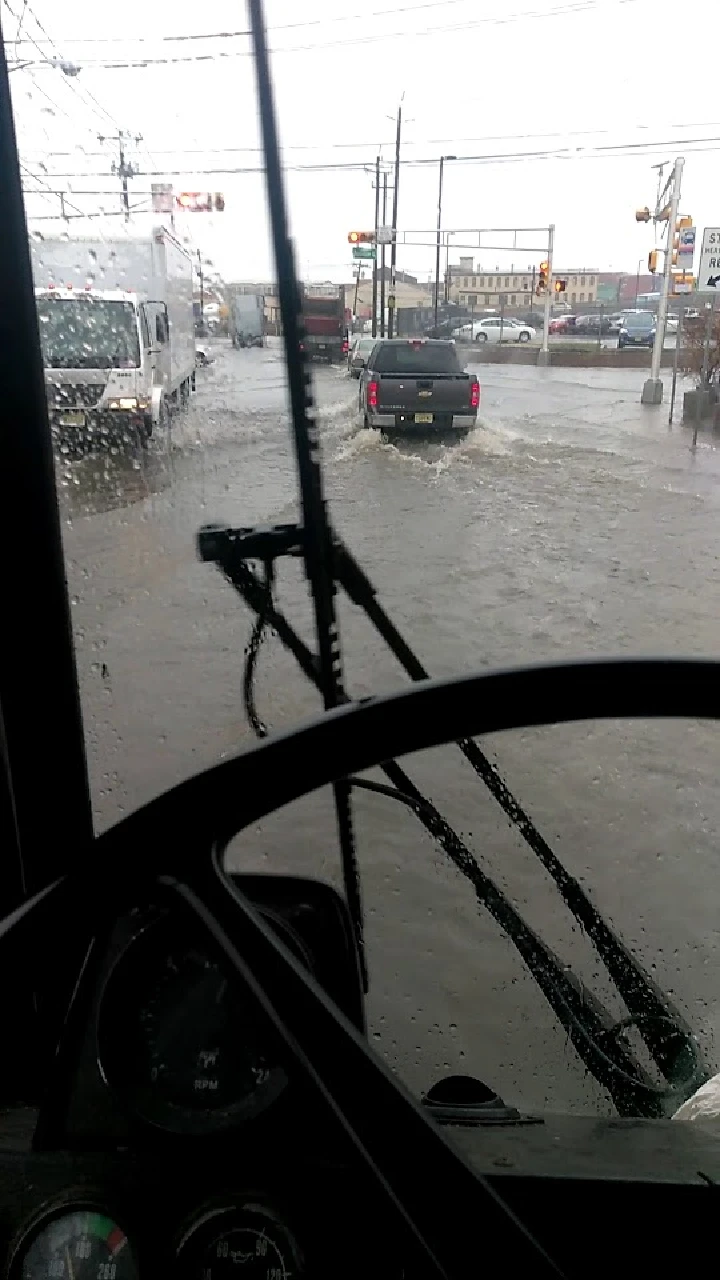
[713, 282]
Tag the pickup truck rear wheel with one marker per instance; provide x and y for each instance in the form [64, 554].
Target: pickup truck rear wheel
[523, 337]
[481, 337]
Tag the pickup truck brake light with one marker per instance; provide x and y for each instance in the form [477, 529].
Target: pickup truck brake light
[372, 395]
[474, 394]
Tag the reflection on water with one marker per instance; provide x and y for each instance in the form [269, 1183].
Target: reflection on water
[110, 477]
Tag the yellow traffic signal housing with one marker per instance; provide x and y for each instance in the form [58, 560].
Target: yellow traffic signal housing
[642, 215]
[560, 286]
[652, 261]
[543, 277]
[361, 237]
[685, 221]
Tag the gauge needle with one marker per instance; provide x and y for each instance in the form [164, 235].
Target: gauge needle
[71, 1273]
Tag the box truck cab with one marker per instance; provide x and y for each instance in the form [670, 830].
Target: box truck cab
[117, 333]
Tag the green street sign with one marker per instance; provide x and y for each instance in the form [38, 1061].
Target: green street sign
[360, 251]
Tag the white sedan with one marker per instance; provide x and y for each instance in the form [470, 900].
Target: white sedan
[496, 330]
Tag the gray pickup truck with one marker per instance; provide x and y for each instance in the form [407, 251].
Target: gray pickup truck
[417, 382]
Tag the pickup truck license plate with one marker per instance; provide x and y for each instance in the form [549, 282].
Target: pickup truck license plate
[75, 419]
[423, 417]
[321, 346]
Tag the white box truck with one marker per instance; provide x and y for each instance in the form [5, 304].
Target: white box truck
[247, 320]
[117, 332]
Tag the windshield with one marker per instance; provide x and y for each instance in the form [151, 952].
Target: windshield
[562, 516]
[88, 333]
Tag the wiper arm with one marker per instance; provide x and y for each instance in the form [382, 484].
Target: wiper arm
[317, 542]
[595, 1034]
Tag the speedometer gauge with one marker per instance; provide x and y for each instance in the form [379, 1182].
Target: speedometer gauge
[79, 1245]
[180, 1040]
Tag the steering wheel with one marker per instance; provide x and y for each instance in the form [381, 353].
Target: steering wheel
[179, 838]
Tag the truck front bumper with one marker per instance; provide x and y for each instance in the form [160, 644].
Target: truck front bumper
[99, 424]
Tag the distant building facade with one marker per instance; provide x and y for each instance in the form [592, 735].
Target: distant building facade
[472, 285]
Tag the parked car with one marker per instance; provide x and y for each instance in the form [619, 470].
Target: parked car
[562, 324]
[638, 330]
[496, 330]
[358, 356]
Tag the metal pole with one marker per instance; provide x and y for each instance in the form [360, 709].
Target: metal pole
[382, 260]
[678, 338]
[637, 281]
[202, 294]
[375, 263]
[437, 245]
[706, 347]
[545, 353]
[447, 267]
[123, 176]
[393, 246]
[667, 276]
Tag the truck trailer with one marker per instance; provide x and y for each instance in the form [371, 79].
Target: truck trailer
[117, 333]
[247, 320]
[325, 324]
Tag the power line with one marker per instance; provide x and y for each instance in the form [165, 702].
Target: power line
[140, 63]
[608, 151]
[83, 93]
[352, 146]
[315, 22]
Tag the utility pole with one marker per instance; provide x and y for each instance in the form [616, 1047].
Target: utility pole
[382, 258]
[375, 263]
[439, 233]
[202, 293]
[393, 246]
[122, 169]
[652, 391]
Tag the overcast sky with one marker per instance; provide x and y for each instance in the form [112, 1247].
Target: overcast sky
[480, 79]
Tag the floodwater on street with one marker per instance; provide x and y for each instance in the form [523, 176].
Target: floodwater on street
[572, 522]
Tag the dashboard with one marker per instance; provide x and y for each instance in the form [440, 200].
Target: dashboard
[176, 1138]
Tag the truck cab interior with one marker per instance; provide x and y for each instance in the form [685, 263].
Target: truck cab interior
[187, 1083]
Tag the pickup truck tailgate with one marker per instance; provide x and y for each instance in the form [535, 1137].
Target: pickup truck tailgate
[441, 393]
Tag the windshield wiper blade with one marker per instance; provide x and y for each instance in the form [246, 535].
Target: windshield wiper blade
[595, 1034]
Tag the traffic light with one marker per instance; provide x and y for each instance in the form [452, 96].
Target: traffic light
[652, 261]
[361, 237]
[218, 202]
[642, 215]
[560, 286]
[543, 277]
[683, 223]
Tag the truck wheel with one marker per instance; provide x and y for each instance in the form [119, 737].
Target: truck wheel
[146, 430]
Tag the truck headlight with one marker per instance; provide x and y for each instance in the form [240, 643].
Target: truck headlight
[128, 402]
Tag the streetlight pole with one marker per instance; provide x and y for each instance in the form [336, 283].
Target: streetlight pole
[393, 246]
[437, 245]
[375, 263]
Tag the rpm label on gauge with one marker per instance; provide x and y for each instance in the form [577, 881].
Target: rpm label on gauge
[80, 1245]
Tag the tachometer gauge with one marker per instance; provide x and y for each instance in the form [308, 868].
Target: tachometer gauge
[78, 1245]
[180, 1040]
[247, 1243]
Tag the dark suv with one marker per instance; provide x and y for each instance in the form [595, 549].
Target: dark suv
[638, 330]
